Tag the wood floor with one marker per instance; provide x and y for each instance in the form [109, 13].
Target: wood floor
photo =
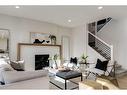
[122, 81]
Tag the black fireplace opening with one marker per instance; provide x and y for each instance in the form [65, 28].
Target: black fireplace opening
[41, 61]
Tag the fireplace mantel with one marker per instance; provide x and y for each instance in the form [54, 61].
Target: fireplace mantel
[27, 51]
[30, 44]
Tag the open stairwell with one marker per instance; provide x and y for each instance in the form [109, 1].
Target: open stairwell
[100, 46]
[103, 48]
[102, 23]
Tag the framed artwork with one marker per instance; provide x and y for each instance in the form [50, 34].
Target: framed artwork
[42, 38]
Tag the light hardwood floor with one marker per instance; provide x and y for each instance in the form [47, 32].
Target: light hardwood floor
[122, 81]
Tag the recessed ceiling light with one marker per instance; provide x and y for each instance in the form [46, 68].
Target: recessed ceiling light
[99, 8]
[17, 7]
[69, 20]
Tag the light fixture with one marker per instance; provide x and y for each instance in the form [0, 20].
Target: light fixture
[17, 7]
[69, 20]
[100, 7]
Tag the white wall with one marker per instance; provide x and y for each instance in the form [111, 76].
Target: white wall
[20, 29]
[3, 44]
[79, 41]
[115, 33]
[80, 45]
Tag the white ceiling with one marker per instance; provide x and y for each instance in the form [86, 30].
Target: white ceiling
[60, 14]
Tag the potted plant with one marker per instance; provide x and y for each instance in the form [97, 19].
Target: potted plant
[53, 39]
[83, 62]
[55, 58]
[84, 58]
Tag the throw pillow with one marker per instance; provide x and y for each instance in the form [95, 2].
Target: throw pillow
[102, 65]
[15, 65]
[4, 67]
[2, 61]
[74, 60]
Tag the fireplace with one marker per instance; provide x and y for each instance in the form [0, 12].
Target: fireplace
[41, 61]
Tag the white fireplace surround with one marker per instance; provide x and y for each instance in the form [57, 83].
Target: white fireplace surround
[28, 52]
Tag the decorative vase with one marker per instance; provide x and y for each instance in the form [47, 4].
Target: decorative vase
[53, 39]
[56, 66]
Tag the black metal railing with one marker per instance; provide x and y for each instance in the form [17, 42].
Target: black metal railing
[100, 46]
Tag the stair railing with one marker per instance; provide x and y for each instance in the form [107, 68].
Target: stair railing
[103, 45]
[107, 22]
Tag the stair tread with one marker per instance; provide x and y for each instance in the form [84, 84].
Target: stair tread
[100, 26]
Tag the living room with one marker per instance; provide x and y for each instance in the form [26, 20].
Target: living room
[60, 34]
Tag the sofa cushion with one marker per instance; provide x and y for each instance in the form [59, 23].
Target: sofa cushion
[15, 65]
[41, 83]
[4, 66]
[15, 76]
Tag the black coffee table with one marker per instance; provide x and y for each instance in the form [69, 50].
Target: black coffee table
[67, 75]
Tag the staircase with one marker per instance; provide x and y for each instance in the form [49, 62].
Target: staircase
[96, 43]
[102, 23]
[101, 47]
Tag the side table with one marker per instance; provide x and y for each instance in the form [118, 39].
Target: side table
[83, 67]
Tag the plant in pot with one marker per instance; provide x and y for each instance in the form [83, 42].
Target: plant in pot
[84, 58]
[55, 60]
[53, 39]
[83, 62]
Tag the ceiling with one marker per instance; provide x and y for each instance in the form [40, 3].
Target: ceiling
[61, 14]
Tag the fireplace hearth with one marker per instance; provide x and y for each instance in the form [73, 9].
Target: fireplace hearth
[41, 61]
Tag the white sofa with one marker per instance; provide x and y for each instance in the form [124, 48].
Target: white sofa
[22, 79]
[25, 80]
[36, 83]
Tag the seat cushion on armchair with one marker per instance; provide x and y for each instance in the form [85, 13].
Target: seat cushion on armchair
[95, 71]
[102, 65]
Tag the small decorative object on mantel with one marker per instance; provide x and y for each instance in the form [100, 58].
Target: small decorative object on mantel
[37, 41]
[40, 38]
[55, 61]
[53, 39]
